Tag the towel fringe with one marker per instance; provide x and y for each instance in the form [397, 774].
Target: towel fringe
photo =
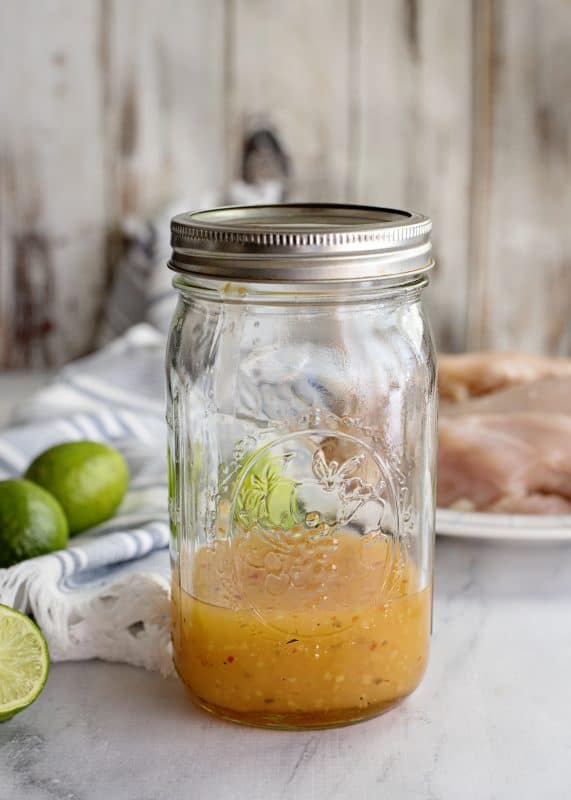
[126, 621]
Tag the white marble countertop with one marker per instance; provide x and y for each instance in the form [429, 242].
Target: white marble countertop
[491, 720]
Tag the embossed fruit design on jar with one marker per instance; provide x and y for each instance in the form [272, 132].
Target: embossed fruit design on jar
[301, 417]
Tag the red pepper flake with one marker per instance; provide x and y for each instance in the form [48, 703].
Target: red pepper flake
[373, 646]
[230, 659]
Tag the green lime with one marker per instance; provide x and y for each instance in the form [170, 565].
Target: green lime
[267, 496]
[88, 478]
[32, 522]
[24, 662]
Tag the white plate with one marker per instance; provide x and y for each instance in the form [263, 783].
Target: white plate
[517, 527]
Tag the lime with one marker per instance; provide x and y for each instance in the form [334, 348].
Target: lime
[267, 497]
[32, 522]
[24, 662]
[88, 478]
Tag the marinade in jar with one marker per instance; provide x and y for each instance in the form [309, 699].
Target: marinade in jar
[335, 632]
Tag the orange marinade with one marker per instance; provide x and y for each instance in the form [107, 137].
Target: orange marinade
[303, 631]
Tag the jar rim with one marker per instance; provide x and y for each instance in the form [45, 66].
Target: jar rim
[301, 242]
[284, 293]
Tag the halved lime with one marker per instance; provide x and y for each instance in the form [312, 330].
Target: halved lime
[24, 662]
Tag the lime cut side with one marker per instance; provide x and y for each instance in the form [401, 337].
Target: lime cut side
[24, 662]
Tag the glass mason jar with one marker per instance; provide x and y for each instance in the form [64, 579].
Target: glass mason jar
[302, 429]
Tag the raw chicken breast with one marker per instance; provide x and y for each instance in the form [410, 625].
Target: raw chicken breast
[474, 374]
[512, 463]
[546, 396]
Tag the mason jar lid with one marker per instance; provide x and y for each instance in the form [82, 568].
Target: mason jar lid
[301, 242]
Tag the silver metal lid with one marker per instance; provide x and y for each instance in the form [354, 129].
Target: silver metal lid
[301, 242]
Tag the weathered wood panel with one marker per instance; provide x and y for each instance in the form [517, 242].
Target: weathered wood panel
[289, 67]
[164, 64]
[51, 180]
[460, 109]
[108, 109]
[412, 140]
[526, 260]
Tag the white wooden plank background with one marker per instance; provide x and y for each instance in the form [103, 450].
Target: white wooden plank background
[289, 72]
[458, 108]
[165, 109]
[527, 288]
[52, 179]
[413, 134]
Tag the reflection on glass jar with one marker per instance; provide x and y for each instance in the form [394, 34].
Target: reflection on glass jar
[301, 417]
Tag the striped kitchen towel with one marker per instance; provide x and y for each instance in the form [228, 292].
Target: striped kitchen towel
[107, 595]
